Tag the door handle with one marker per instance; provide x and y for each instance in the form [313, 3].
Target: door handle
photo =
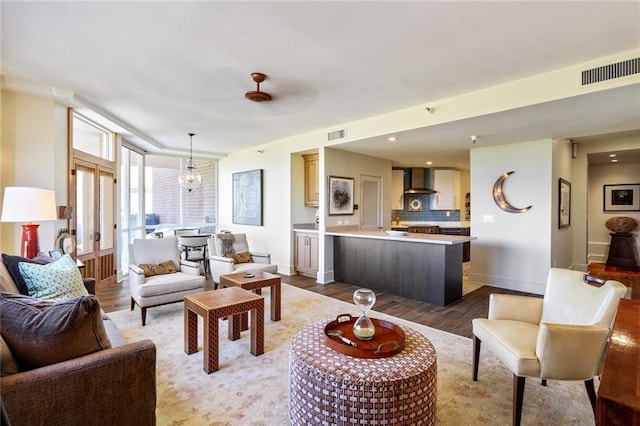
[97, 236]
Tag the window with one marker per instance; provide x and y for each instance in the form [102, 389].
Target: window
[92, 138]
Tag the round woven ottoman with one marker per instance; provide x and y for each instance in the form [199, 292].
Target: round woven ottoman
[327, 387]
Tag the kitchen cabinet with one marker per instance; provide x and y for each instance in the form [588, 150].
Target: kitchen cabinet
[397, 189]
[311, 180]
[466, 248]
[447, 186]
[306, 253]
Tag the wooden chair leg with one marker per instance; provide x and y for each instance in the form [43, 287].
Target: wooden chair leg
[591, 391]
[544, 382]
[143, 312]
[518, 396]
[476, 357]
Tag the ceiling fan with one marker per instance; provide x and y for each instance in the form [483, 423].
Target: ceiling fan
[257, 95]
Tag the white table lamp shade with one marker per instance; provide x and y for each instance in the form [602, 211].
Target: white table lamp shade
[24, 204]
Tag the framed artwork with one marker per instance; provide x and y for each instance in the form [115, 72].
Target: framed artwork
[622, 197]
[340, 195]
[564, 204]
[415, 204]
[247, 197]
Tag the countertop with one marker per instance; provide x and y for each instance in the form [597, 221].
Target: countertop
[305, 227]
[410, 238]
[441, 224]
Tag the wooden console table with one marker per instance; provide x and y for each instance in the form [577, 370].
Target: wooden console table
[619, 391]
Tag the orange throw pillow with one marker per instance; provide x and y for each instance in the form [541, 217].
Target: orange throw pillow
[244, 257]
[167, 267]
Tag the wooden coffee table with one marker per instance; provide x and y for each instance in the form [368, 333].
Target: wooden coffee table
[256, 283]
[217, 304]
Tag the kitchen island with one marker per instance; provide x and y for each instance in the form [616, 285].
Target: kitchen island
[426, 267]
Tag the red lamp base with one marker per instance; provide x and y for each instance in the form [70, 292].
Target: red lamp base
[29, 247]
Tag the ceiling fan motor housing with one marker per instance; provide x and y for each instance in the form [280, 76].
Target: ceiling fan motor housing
[257, 95]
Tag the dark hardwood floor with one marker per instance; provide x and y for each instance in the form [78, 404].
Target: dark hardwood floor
[454, 318]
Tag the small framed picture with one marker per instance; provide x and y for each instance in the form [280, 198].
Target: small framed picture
[340, 195]
[564, 205]
[55, 254]
[622, 197]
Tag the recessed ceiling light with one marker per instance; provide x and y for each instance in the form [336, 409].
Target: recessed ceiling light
[429, 163]
[614, 161]
[612, 155]
[392, 139]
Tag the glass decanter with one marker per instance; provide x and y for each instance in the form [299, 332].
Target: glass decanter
[363, 328]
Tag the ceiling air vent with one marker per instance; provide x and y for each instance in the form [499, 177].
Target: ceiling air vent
[336, 134]
[611, 71]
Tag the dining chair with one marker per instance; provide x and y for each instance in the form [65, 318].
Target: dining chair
[194, 249]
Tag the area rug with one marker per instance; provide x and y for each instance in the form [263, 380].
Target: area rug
[249, 390]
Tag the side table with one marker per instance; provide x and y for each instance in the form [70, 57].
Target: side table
[256, 283]
[329, 388]
[217, 304]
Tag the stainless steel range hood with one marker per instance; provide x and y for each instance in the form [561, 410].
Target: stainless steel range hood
[417, 182]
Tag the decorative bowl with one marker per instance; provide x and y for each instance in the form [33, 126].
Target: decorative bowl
[621, 225]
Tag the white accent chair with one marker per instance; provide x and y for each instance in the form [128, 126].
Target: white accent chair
[219, 264]
[561, 336]
[157, 290]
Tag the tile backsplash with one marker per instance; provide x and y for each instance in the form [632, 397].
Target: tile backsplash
[426, 215]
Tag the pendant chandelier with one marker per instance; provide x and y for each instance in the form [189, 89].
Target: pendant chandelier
[190, 178]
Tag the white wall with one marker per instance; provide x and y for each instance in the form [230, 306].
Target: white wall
[283, 195]
[562, 239]
[34, 153]
[512, 250]
[348, 164]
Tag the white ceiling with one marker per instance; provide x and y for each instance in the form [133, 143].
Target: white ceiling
[163, 69]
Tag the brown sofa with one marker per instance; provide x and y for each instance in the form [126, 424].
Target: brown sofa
[115, 386]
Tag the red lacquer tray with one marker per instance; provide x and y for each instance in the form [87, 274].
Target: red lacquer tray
[388, 340]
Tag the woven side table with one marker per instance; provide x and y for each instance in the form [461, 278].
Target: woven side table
[329, 388]
[217, 304]
[256, 283]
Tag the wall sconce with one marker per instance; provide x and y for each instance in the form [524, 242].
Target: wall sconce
[574, 149]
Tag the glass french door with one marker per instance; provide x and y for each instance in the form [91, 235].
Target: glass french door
[93, 219]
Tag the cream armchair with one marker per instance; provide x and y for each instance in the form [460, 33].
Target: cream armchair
[561, 336]
[222, 245]
[158, 290]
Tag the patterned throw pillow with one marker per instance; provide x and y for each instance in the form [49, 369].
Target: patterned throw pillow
[244, 257]
[59, 280]
[12, 263]
[40, 332]
[167, 267]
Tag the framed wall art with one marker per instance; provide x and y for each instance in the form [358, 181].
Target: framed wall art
[415, 204]
[622, 197]
[247, 197]
[340, 196]
[564, 204]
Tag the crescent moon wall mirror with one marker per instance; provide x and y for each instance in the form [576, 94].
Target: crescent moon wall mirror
[501, 200]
